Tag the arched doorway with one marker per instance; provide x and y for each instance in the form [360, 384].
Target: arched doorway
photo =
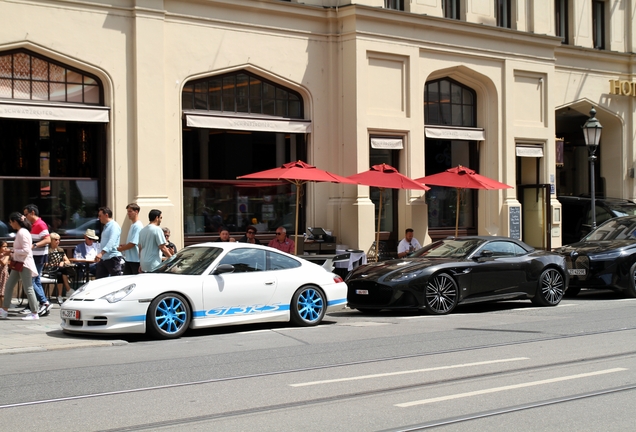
[52, 141]
[450, 117]
[235, 124]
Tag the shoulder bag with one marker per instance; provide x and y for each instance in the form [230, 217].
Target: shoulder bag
[16, 265]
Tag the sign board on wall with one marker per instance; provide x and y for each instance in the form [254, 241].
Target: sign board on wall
[515, 223]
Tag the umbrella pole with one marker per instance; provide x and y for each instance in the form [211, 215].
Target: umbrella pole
[377, 233]
[298, 189]
[457, 212]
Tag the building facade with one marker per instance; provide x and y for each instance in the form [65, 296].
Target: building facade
[166, 103]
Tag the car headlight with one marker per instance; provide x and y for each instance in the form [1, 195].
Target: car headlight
[405, 276]
[118, 295]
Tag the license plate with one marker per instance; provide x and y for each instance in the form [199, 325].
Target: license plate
[362, 292]
[577, 272]
[72, 314]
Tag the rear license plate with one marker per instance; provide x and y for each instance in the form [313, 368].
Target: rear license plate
[362, 292]
[577, 272]
[71, 314]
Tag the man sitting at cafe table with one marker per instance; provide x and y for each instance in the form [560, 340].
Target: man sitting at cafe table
[282, 242]
[88, 251]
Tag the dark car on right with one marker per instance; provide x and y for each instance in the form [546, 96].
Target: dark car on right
[604, 259]
[577, 217]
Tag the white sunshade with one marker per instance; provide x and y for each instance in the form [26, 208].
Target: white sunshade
[255, 124]
[46, 111]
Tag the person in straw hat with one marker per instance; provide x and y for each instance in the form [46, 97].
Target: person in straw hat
[88, 250]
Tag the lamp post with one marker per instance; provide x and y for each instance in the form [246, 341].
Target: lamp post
[592, 133]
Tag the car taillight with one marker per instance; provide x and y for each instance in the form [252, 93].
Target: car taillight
[337, 279]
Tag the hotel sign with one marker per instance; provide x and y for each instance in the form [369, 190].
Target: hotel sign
[623, 88]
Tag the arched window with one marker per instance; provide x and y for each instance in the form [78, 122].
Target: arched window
[27, 76]
[449, 103]
[52, 145]
[242, 92]
[237, 139]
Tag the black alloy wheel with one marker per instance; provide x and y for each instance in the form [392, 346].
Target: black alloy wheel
[550, 289]
[442, 294]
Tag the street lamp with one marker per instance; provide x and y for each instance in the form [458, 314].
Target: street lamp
[592, 133]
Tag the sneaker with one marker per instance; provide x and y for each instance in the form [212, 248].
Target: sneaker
[25, 311]
[3, 314]
[31, 317]
[70, 292]
[45, 308]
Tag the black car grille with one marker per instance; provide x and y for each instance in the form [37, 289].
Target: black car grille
[378, 295]
[579, 262]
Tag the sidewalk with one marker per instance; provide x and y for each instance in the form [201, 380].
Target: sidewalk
[45, 334]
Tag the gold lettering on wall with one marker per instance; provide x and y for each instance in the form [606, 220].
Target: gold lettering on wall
[622, 88]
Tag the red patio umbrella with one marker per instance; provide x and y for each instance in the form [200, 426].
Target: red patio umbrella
[385, 176]
[461, 177]
[297, 173]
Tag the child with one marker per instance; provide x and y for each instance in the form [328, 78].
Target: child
[4, 267]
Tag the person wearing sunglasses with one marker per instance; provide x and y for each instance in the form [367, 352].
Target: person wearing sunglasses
[281, 242]
[250, 236]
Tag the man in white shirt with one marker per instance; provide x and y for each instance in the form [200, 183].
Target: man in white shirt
[408, 244]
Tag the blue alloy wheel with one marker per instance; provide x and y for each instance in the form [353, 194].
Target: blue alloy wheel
[168, 316]
[308, 306]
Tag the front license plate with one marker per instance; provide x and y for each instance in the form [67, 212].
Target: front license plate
[576, 272]
[362, 292]
[71, 314]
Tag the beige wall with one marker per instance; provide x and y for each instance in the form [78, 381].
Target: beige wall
[361, 70]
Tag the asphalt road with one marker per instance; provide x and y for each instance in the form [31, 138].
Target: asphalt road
[505, 366]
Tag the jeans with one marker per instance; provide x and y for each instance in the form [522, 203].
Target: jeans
[37, 285]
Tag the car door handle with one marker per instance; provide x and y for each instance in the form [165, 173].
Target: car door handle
[270, 283]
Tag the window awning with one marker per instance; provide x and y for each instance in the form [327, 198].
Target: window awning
[200, 119]
[46, 111]
[529, 150]
[387, 143]
[455, 133]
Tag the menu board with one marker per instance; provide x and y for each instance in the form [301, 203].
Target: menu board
[515, 223]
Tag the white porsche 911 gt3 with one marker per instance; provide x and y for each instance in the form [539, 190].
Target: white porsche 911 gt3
[207, 285]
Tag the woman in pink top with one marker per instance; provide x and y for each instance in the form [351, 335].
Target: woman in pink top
[21, 253]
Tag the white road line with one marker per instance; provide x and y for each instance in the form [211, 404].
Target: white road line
[504, 388]
[361, 377]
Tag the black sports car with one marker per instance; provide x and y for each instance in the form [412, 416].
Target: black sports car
[459, 270]
[605, 258]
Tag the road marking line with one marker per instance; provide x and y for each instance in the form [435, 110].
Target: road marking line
[504, 388]
[361, 377]
[538, 308]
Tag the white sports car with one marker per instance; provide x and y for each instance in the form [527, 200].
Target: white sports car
[207, 285]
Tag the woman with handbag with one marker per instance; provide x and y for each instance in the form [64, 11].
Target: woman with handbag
[22, 266]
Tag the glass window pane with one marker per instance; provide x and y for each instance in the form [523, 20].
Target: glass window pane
[215, 95]
[57, 91]
[433, 114]
[21, 65]
[281, 108]
[90, 81]
[5, 88]
[468, 119]
[456, 111]
[281, 94]
[21, 89]
[242, 104]
[228, 94]
[74, 93]
[40, 90]
[187, 96]
[433, 92]
[467, 96]
[279, 262]
[444, 92]
[456, 94]
[40, 69]
[255, 96]
[294, 109]
[91, 94]
[57, 73]
[445, 114]
[5, 66]
[269, 91]
[201, 96]
[74, 77]
[269, 107]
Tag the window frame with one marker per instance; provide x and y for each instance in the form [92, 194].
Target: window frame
[599, 26]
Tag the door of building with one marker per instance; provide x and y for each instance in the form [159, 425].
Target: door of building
[535, 212]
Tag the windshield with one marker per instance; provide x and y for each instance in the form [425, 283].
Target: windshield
[449, 248]
[189, 261]
[614, 229]
[623, 210]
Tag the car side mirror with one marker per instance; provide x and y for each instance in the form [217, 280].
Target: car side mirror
[486, 254]
[223, 268]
